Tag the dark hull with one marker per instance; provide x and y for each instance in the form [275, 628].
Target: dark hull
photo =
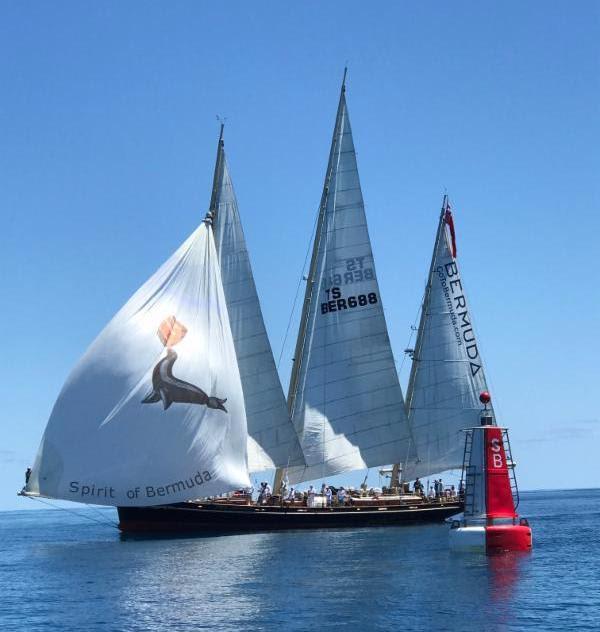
[213, 518]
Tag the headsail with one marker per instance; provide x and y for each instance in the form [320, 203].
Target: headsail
[153, 413]
[272, 440]
[447, 374]
[345, 396]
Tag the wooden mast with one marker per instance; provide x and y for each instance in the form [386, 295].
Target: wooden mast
[297, 360]
[396, 468]
[213, 207]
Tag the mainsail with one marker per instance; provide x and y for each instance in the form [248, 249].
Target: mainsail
[345, 397]
[272, 440]
[153, 413]
[447, 375]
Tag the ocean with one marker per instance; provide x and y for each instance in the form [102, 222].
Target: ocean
[61, 571]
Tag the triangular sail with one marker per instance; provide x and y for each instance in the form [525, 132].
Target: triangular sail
[347, 405]
[272, 440]
[153, 413]
[447, 375]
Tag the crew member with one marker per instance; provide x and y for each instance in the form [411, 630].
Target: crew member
[310, 499]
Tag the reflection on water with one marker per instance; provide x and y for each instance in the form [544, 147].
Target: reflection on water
[505, 569]
[57, 573]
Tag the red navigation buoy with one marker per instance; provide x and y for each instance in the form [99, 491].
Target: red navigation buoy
[489, 523]
[485, 397]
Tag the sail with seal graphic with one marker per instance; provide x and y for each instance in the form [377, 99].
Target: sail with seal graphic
[153, 413]
[345, 397]
[272, 440]
[447, 373]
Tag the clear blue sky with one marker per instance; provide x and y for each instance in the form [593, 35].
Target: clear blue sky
[108, 134]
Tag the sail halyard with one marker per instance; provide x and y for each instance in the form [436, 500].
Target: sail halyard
[272, 440]
[447, 373]
[345, 398]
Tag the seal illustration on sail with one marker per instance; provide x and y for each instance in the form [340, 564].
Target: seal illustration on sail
[168, 388]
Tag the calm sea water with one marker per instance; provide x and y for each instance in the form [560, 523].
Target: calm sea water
[61, 572]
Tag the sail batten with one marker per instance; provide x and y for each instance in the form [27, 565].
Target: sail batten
[345, 398]
[447, 374]
[273, 440]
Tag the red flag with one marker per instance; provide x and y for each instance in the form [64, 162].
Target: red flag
[450, 223]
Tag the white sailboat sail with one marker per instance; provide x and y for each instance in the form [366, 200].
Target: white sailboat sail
[272, 440]
[447, 375]
[153, 413]
[347, 405]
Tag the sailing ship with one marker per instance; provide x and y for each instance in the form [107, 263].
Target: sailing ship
[178, 400]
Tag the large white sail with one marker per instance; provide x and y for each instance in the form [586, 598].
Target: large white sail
[447, 376]
[153, 413]
[272, 440]
[346, 399]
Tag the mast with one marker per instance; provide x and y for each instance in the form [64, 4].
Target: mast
[272, 440]
[279, 473]
[426, 298]
[213, 206]
[419, 342]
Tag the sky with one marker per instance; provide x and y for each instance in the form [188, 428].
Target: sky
[108, 134]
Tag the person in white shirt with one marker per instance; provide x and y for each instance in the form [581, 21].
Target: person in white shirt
[311, 497]
[341, 496]
[328, 495]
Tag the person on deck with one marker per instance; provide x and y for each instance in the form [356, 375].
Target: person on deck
[261, 494]
[310, 500]
[329, 496]
[291, 495]
[283, 488]
[341, 496]
[418, 487]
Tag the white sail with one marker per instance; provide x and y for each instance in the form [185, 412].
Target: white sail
[448, 376]
[153, 413]
[347, 403]
[272, 440]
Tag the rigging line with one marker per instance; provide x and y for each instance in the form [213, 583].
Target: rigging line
[289, 325]
[413, 328]
[75, 513]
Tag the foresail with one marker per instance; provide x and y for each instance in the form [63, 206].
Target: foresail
[272, 439]
[347, 406]
[448, 375]
[153, 413]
